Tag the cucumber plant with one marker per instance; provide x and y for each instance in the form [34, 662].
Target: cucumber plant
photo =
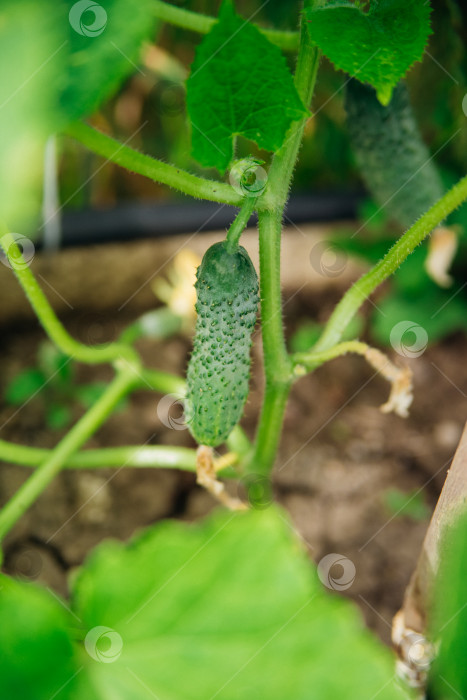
[241, 92]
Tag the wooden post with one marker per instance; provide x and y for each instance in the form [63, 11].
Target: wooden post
[410, 623]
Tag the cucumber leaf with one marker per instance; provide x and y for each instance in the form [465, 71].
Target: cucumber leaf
[239, 84]
[378, 46]
[229, 608]
[36, 653]
[61, 60]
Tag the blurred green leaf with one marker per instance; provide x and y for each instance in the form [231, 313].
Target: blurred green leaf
[55, 364]
[88, 394]
[63, 60]
[239, 84]
[104, 44]
[438, 312]
[410, 504]
[305, 336]
[36, 654]
[378, 46]
[227, 609]
[449, 615]
[32, 51]
[413, 296]
[309, 331]
[24, 385]
[57, 416]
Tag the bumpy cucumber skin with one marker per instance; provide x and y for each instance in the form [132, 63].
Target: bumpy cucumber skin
[391, 155]
[219, 368]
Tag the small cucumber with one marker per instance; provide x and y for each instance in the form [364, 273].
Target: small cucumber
[219, 368]
[394, 161]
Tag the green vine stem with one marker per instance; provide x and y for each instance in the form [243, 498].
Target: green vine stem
[281, 171]
[311, 360]
[361, 290]
[239, 224]
[161, 456]
[196, 22]
[164, 173]
[162, 382]
[84, 353]
[277, 363]
[123, 382]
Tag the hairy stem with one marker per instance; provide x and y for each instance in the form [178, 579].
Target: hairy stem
[281, 171]
[361, 290]
[277, 364]
[123, 382]
[166, 174]
[196, 22]
[110, 352]
[311, 360]
[131, 456]
[239, 224]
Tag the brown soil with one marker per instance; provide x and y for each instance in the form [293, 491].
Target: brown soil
[339, 455]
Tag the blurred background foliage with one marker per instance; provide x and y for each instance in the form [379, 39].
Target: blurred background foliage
[149, 112]
[152, 101]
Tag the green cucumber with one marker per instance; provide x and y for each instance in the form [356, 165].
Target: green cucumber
[394, 161]
[219, 367]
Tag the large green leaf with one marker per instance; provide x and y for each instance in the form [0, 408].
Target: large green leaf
[227, 609]
[378, 46]
[105, 53]
[239, 84]
[36, 653]
[31, 49]
[58, 65]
